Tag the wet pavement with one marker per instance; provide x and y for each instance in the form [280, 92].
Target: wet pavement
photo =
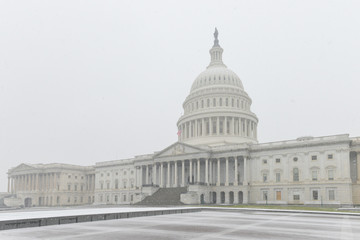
[203, 225]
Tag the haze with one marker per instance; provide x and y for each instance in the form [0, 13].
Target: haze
[89, 81]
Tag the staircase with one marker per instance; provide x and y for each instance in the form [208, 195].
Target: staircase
[164, 196]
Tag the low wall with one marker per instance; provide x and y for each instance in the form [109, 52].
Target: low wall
[38, 222]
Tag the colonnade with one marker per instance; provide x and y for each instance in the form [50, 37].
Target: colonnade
[180, 173]
[211, 126]
[33, 182]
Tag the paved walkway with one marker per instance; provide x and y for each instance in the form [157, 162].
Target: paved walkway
[203, 226]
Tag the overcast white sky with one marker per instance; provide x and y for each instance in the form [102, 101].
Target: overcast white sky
[89, 81]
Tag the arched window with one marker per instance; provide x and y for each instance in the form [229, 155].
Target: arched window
[296, 175]
[232, 102]
[202, 103]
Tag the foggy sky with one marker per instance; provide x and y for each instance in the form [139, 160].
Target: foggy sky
[89, 81]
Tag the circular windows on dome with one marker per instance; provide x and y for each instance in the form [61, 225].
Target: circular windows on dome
[295, 159]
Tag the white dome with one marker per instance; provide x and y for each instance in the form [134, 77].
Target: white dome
[216, 75]
[217, 110]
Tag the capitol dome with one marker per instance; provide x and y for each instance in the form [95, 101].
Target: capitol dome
[217, 110]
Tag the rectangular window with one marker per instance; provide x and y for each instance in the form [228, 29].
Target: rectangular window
[264, 177]
[315, 195]
[221, 127]
[330, 174]
[278, 160]
[68, 199]
[314, 175]
[278, 195]
[278, 177]
[75, 187]
[313, 157]
[296, 197]
[331, 194]
[108, 185]
[69, 187]
[330, 156]
[102, 186]
[264, 161]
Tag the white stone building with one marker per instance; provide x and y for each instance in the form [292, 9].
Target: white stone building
[218, 159]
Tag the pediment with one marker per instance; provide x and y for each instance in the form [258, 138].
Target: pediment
[179, 148]
[22, 167]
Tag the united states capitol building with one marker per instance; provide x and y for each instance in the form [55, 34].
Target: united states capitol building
[216, 160]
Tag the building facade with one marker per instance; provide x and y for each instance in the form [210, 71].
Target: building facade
[217, 158]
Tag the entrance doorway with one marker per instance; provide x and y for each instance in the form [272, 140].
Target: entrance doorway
[214, 197]
[28, 202]
[202, 201]
[240, 197]
[222, 197]
[231, 197]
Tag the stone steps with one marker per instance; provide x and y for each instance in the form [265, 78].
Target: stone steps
[164, 196]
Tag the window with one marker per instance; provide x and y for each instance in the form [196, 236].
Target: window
[116, 198]
[57, 199]
[108, 174]
[108, 198]
[314, 175]
[296, 197]
[124, 184]
[102, 174]
[124, 197]
[315, 195]
[295, 159]
[330, 156]
[220, 102]
[264, 161]
[278, 177]
[108, 185]
[226, 102]
[277, 160]
[131, 198]
[69, 176]
[221, 127]
[69, 187]
[81, 199]
[331, 194]
[237, 103]
[214, 102]
[330, 174]
[116, 173]
[75, 199]
[313, 157]
[278, 195]
[296, 175]
[232, 102]
[116, 184]
[102, 186]
[202, 103]
[68, 199]
[208, 103]
[214, 127]
[265, 177]
[75, 177]
[124, 172]
[75, 188]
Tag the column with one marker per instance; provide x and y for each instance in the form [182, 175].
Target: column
[176, 176]
[190, 171]
[232, 126]
[140, 175]
[55, 182]
[162, 174]
[147, 175]
[206, 172]
[245, 177]
[225, 126]
[203, 127]
[218, 172]
[227, 171]
[210, 172]
[37, 182]
[210, 126]
[8, 185]
[217, 126]
[183, 173]
[154, 174]
[168, 182]
[196, 128]
[236, 181]
[198, 170]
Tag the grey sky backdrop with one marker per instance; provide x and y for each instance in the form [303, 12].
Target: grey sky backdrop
[89, 81]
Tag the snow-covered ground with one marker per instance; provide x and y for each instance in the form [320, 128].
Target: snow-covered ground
[72, 212]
